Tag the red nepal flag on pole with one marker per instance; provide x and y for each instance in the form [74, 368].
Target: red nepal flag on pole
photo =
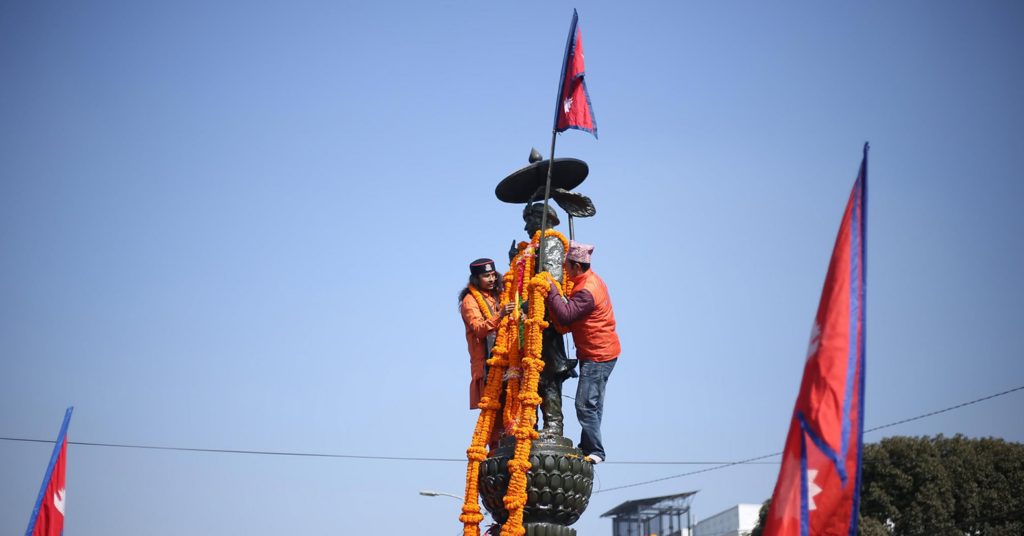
[573, 109]
[818, 491]
[48, 513]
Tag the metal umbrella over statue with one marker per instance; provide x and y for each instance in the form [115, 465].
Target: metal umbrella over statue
[535, 483]
[532, 182]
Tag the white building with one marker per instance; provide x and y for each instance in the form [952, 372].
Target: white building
[736, 521]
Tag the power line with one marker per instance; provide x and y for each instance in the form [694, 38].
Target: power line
[680, 463]
[229, 451]
[302, 454]
[718, 465]
[944, 410]
[723, 466]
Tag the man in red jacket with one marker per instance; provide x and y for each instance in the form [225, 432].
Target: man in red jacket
[588, 314]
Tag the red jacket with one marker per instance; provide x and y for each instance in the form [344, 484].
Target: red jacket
[589, 315]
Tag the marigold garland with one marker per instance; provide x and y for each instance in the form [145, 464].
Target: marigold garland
[519, 465]
[480, 301]
[550, 232]
[568, 286]
[477, 451]
[515, 377]
[523, 367]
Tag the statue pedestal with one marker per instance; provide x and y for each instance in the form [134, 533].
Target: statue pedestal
[558, 485]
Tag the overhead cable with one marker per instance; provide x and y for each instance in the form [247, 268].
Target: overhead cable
[723, 466]
[718, 465]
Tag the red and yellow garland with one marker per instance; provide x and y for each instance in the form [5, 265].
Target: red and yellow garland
[523, 366]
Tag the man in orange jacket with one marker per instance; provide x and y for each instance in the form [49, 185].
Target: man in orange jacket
[588, 314]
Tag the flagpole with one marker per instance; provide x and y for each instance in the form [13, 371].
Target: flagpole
[547, 196]
[58, 448]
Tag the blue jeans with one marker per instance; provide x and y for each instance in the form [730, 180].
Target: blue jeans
[590, 403]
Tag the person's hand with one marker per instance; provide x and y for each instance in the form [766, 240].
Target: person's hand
[507, 309]
[513, 251]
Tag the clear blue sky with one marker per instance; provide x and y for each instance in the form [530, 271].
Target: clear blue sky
[244, 226]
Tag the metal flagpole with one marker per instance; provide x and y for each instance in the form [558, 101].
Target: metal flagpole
[554, 133]
[547, 196]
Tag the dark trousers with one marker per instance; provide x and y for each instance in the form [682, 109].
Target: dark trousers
[590, 403]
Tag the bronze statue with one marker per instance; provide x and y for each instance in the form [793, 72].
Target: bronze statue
[560, 478]
[526, 185]
[557, 365]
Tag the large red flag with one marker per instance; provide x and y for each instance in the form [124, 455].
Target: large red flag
[818, 491]
[48, 513]
[573, 109]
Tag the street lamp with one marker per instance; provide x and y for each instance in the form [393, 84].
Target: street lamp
[452, 495]
[436, 493]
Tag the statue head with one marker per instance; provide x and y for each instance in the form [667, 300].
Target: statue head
[534, 213]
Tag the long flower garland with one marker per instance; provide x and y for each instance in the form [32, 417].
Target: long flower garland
[514, 376]
[515, 497]
[567, 288]
[490, 403]
[480, 301]
[521, 367]
[567, 292]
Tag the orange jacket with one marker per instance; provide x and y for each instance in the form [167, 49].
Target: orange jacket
[594, 334]
[477, 329]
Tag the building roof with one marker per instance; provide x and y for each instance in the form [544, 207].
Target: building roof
[654, 504]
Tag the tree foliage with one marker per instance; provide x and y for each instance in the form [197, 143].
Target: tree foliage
[761, 515]
[913, 485]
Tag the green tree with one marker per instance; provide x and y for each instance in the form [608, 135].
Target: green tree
[761, 515]
[914, 485]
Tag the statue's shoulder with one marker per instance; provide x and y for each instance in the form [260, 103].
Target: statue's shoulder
[554, 249]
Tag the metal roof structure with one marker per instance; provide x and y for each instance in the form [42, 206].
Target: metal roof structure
[656, 515]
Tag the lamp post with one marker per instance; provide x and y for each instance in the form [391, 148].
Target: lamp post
[427, 493]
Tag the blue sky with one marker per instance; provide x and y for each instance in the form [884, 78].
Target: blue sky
[244, 226]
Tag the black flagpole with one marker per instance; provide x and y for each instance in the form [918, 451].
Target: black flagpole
[554, 132]
[547, 196]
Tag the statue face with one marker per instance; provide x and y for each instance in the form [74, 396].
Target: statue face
[532, 219]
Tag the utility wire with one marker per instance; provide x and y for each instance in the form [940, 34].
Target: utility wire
[229, 451]
[944, 410]
[723, 466]
[303, 454]
[718, 465]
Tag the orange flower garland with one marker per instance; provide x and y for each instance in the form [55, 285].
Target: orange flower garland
[550, 232]
[515, 497]
[568, 286]
[480, 301]
[477, 452]
[514, 376]
[534, 244]
[523, 366]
